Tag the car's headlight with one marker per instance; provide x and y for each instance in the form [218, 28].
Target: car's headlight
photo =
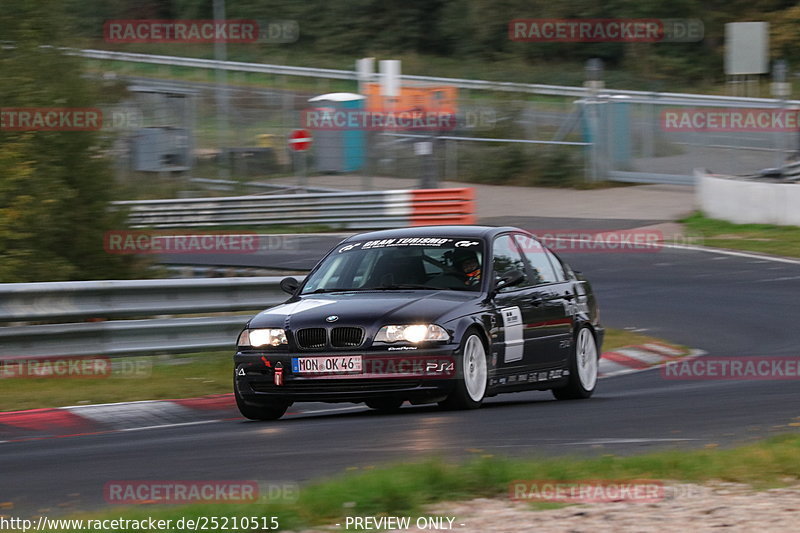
[412, 333]
[262, 337]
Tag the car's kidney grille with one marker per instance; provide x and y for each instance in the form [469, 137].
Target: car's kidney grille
[346, 337]
[311, 338]
[341, 337]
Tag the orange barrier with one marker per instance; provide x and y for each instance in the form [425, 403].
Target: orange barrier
[442, 206]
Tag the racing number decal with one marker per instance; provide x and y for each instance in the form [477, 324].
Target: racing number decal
[512, 327]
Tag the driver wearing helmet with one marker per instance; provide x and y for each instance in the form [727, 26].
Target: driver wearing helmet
[467, 264]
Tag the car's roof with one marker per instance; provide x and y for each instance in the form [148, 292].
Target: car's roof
[434, 231]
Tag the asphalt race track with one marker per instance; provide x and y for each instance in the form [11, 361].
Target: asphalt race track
[728, 305]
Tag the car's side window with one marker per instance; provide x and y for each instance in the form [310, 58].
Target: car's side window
[537, 258]
[558, 266]
[505, 258]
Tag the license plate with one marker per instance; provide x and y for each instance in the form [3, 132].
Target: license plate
[327, 365]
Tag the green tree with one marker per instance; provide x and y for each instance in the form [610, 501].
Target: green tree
[55, 186]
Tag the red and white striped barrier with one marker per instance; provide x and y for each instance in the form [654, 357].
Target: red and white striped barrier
[341, 210]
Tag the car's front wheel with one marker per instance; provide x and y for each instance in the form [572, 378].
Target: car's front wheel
[472, 377]
[267, 411]
[583, 369]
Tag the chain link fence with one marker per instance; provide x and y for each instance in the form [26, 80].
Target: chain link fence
[501, 138]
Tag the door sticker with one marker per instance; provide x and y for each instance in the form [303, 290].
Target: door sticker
[514, 341]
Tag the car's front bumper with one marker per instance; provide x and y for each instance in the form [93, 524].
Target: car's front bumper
[255, 378]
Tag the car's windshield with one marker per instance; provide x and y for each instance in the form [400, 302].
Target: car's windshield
[425, 263]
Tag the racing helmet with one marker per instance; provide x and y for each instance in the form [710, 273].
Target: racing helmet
[460, 260]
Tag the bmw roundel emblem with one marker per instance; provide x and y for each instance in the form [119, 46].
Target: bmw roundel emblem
[332, 318]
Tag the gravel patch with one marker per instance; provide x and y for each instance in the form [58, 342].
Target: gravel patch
[727, 507]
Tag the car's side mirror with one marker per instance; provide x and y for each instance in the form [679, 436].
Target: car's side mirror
[510, 278]
[289, 285]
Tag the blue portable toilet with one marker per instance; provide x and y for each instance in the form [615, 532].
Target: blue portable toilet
[621, 128]
[340, 146]
[613, 127]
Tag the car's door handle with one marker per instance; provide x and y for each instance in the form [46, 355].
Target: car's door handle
[568, 296]
[535, 300]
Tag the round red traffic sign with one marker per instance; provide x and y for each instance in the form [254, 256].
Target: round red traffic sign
[300, 140]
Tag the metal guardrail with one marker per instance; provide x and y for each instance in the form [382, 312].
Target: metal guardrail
[30, 302]
[121, 337]
[102, 300]
[63, 301]
[351, 210]
[665, 98]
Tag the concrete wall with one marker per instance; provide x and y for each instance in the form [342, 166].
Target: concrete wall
[748, 202]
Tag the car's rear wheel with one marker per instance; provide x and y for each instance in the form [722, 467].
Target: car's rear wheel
[473, 375]
[583, 368]
[385, 404]
[266, 411]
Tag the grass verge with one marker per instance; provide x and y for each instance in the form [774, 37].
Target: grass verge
[404, 489]
[165, 377]
[159, 377]
[762, 238]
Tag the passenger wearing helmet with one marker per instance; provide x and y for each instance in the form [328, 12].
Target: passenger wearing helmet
[466, 263]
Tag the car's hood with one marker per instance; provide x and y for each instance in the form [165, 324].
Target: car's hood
[367, 309]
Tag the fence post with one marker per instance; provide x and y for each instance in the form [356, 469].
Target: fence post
[594, 82]
[780, 90]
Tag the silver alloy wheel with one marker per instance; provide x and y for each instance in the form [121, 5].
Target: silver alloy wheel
[586, 355]
[475, 368]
